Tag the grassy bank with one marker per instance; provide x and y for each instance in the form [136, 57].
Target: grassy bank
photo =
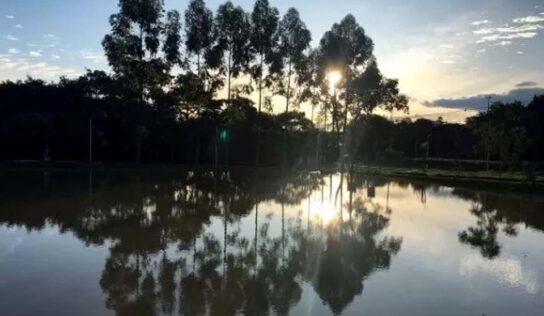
[490, 179]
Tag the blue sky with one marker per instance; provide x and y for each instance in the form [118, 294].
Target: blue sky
[439, 49]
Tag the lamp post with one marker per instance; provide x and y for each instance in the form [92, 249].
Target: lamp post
[93, 116]
[91, 140]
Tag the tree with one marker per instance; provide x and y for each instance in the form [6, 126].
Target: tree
[172, 33]
[133, 45]
[373, 90]
[263, 39]
[233, 27]
[345, 49]
[502, 132]
[294, 40]
[198, 30]
[132, 50]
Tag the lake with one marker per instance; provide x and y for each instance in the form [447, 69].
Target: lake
[267, 242]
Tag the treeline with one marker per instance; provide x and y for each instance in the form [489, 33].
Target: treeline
[501, 138]
[204, 87]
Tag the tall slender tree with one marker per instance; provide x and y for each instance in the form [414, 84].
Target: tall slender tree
[172, 35]
[263, 39]
[347, 49]
[132, 48]
[133, 45]
[198, 31]
[233, 28]
[294, 40]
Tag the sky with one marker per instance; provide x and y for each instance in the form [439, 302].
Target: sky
[447, 54]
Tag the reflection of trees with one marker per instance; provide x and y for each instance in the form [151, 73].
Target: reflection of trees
[496, 213]
[335, 260]
[348, 253]
[484, 234]
[163, 259]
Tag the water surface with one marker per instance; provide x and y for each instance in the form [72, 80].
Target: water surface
[264, 243]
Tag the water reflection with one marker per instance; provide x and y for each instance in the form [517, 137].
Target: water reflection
[496, 213]
[228, 243]
[164, 259]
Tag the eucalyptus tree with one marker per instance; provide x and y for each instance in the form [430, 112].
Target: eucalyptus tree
[138, 34]
[373, 90]
[263, 41]
[233, 27]
[345, 49]
[133, 46]
[294, 40]
[198, 31]
[313, 86]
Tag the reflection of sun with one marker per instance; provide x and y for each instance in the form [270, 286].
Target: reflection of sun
[333, 77]
[324, 213]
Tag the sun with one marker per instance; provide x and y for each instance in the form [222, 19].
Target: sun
[333, 77]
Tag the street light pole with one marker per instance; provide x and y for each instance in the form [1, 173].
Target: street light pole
[90, 141]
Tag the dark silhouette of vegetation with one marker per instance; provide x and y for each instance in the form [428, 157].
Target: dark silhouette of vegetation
[181, 91]
[165, 100]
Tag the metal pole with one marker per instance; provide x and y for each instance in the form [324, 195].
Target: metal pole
[216, 144]
[90, 141]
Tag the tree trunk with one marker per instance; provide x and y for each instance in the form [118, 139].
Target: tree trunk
[229, 74]
[261, 82]
[288, 88]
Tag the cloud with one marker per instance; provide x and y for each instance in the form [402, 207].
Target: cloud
[18, 26]
[519, 52]
[510, 271]
[480, 22]
[13, 51]
[503, 43]
[9, 37]
[481, 51]
[10, 17]
[526, 84]
[93, 56]
[525, 28]
[524, 92]
[55, 57]
[35, 53]
[48, 41]
[499, 37]
[50, 36]
[510, 29]
[446, 46]
[12, 68]
[530, 19]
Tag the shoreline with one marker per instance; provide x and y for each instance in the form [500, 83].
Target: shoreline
[491, 179]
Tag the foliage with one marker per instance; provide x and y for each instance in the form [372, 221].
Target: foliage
[294, 40]
[158, 105]
[263, 40]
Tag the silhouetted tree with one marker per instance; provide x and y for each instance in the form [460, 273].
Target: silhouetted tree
[199, 31]
[263, 39]
[294, 40]
[132, 49]
[233, 31]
